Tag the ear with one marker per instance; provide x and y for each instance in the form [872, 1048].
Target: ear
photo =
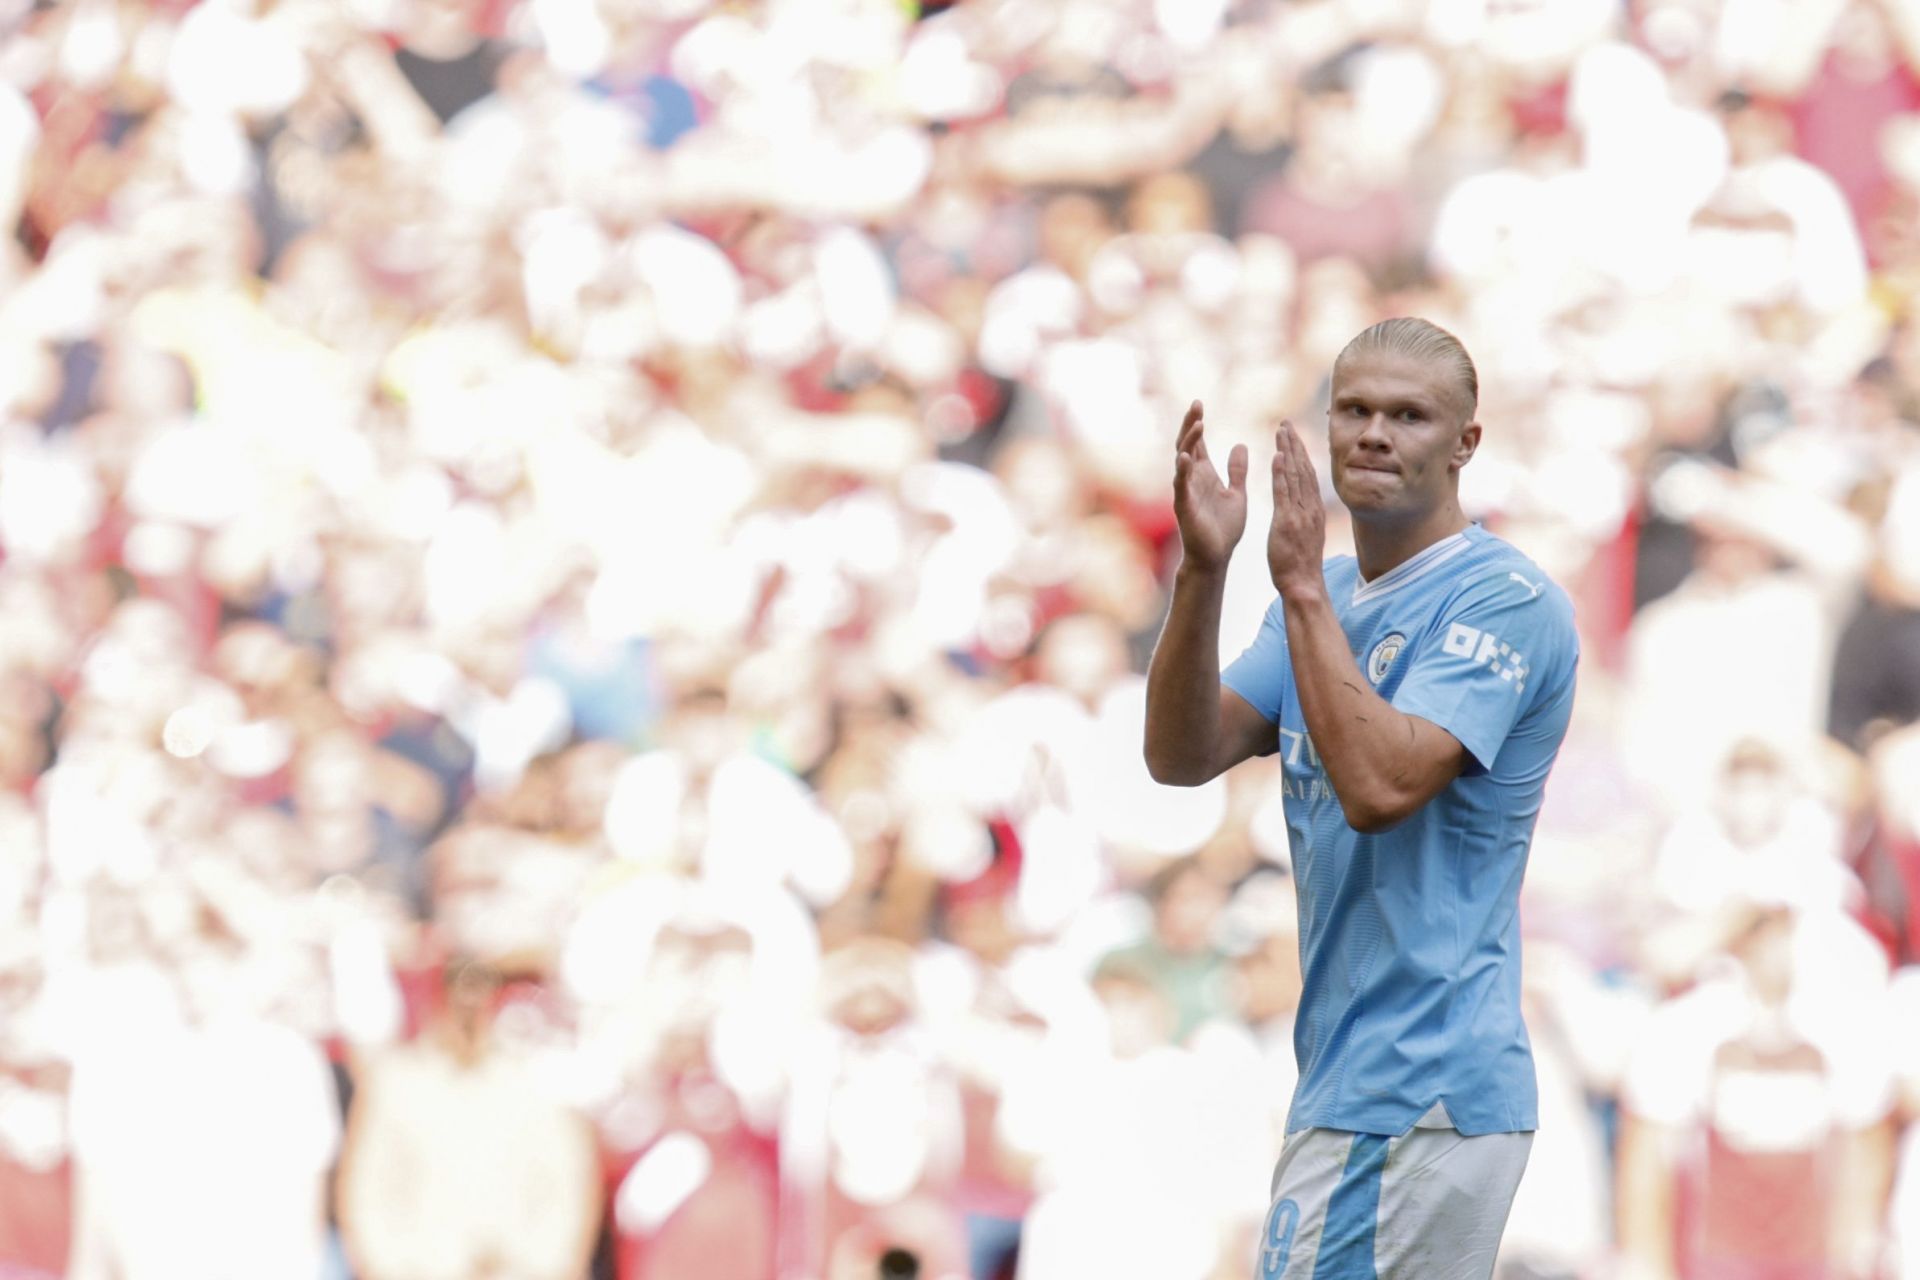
[1465, 446]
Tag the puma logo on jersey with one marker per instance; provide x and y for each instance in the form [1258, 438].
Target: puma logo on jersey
[1533, 589]
[1485, 649]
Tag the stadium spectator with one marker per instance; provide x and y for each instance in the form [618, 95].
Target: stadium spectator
[1179, 958]
[455, 1164]
[1757, 1139]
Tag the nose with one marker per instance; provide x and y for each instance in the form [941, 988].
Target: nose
[1374, 435]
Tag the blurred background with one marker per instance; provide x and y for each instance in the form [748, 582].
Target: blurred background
[575, 577]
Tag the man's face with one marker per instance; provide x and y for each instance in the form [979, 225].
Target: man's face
[1186, 916]
[1398, 431]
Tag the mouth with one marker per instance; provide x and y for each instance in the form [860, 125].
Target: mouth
[1361, 466]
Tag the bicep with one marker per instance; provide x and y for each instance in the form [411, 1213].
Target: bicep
[1244, 732]
[1412, 767]
[1433, 758]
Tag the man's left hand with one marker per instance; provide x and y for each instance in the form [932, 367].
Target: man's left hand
[1297, 538]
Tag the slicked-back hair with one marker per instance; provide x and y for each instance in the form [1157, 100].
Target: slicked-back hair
[1422, 340]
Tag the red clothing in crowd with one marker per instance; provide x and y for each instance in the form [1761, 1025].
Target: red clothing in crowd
[1757, 1204]
[36, 1216]
[725, 1228]
[1837, 123]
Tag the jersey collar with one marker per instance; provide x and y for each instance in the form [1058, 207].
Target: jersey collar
[1414, 567]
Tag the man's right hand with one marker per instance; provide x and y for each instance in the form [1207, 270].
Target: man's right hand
[1212, 515]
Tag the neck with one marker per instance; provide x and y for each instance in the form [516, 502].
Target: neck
[442, 37]
[1384, 545]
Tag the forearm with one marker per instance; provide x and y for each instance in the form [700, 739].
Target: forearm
[1364, 744]
[1860, 1201]
[1183, 680]
[1644, 1201]
[401, 125]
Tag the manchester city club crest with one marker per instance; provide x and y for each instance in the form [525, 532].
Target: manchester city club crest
[1381, 659]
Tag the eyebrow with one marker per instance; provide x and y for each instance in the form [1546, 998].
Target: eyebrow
[1392, 403]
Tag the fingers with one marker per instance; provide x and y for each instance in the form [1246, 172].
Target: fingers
[1191, 427]
[1193, 438]
[1294, 478]
[1237, 468]
[1282, 471]
[1302, 460]
[1186, 468]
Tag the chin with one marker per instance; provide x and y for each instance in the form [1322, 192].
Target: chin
[1361, 502]
[1375, 509]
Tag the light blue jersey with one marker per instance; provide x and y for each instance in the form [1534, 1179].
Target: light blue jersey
[1410, 939]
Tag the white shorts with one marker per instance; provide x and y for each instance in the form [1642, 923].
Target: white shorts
[1427, 1205]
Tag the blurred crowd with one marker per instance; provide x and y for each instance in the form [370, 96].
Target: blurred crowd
[575, 578]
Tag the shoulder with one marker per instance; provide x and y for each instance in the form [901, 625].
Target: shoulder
[1495, 573]
[1491, 558]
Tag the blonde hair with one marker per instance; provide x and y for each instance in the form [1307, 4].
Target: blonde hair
[1418, 339]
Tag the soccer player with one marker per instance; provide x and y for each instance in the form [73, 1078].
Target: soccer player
[1416, 694]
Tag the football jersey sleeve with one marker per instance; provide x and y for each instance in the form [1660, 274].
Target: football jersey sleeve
[1260, 673]
[1493, 647]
